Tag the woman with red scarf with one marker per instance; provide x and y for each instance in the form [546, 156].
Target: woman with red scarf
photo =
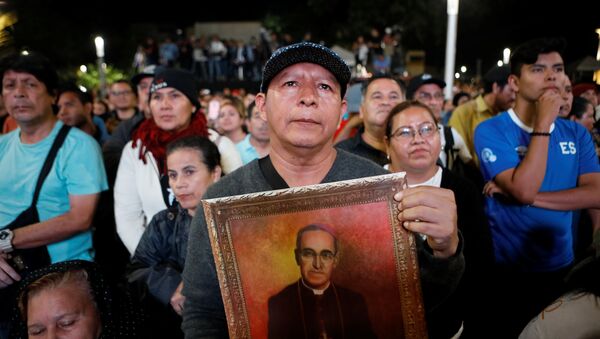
[141, 186]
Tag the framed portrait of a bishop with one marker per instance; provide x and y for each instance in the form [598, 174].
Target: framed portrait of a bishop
[320, 261]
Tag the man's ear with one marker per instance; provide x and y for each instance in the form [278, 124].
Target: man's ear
[88, 107]
[297, 256]
[260, 101]
[361, 110]
[216, 174]
[513, 82]
[495, 88]
[388, 148]
[343, 110]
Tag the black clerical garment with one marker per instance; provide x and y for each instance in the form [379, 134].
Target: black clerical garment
[296, 312]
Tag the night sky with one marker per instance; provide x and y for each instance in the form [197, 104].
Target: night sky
[485, 27]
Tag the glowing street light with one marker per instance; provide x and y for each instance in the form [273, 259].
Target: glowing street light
[452, 11]
[506, 56]
[83, 68]
[598, 53]
[99, 42]
[500, 63]
[596, 77]
[463, 69]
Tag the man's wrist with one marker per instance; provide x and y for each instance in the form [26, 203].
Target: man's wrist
[445, 253]
[543, 124]
[6, 237]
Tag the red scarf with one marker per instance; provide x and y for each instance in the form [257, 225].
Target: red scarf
[155, 140]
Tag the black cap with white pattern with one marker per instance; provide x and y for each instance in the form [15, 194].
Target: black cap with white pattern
[306, 52]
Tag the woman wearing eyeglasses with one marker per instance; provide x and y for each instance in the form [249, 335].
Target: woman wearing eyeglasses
[413, 146]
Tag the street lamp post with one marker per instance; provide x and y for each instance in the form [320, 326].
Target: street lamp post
[452, 11]
[99, 42]
[597, 72]
[598, 53]
[506, 56]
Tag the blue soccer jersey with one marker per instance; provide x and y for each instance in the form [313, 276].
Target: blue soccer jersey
[528, 237]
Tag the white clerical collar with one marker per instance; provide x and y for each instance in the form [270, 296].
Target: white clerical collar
[315, 291]
[435, 180]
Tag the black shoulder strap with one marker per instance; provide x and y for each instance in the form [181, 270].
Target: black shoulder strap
[449, 139]
[60, 138]
[449, 147]
[270, 174]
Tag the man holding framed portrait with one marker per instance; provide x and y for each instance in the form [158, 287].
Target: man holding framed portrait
[302, 100]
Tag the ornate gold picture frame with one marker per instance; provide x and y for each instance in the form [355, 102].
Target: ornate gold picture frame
[254, 239]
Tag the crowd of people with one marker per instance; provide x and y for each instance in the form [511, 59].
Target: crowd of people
[102, 233]
[212, 58]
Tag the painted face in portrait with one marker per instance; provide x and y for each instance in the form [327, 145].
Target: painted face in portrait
[317, 258]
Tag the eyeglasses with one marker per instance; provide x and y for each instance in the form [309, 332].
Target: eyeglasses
[119, 93]
[428, 97]
[425, 130]
[309, 255]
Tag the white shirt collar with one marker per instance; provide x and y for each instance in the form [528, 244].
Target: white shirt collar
[435, 180]
[515, 118]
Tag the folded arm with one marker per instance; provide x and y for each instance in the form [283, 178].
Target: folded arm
[584, 196]
[524, 181]
[76, 220]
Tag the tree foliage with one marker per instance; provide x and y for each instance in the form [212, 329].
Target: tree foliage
[90, 79]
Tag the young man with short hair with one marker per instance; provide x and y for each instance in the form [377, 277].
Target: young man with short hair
[542, 168]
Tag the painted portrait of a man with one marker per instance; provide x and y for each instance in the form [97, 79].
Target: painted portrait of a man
[315, 306]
